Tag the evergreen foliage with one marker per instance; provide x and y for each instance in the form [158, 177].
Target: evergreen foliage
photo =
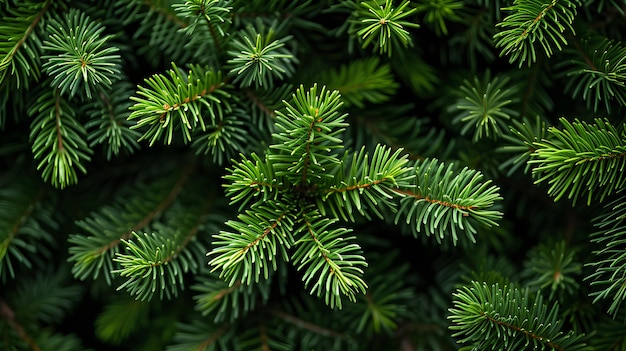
[312, 175]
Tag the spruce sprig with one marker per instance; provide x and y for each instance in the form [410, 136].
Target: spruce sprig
[582, 160]
[383, 25]
[535, 27]
[59, 141]
[78, 58]
[180, 101]
[508, 318]
[301, 188]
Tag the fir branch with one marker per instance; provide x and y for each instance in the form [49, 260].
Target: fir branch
[214, 13]
[80, 56]
[108, 125]
[332, 264]
[535, 25]
[598, 73]
[436, 13]
[307, 131]
[19, 42]
[207, 12]
[303, 324]
[177, 102]
[150, 267]
[389, 295]
[111, 225]
[524, 135]
[251, 178]
[203, 336]
[221, 302]
[374, 23]
[158, 262]
[446, 203]
[261, 236]
[163, 30]
[258, 59]
[7, 314]
[366, 185]
[24, 216]
[553, 266]
[484, 106]
[495, 318]
[58, 139]
[224, 139]
[581, 158]
[120, 318]
[263, 338]
[609, 275]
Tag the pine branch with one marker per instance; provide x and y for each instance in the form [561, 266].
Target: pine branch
[610, 266]
[58, 139]
[332, 265]
[178, 102]
[92, 254]
[307, 132]
[19, 42]
[444, 203]
[581, 158]
[256, 58]
[535, 25]
[495, 318]
[383, 25]
[80, 60]
[598, 73]
[366, 185]
[24, 219]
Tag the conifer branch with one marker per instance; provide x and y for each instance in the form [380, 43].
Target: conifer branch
[582, 159]
[383, 24]
[58, 139]
[80, 55]
[600, 75]
[445, 201]
[259, 236]
[332, 264]
[8, 315]
[307, 131]
[535, 25]
[111, 225]
[20, 52]
[610, 266]
[178, 102]
[491, 317]
[19, 226]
